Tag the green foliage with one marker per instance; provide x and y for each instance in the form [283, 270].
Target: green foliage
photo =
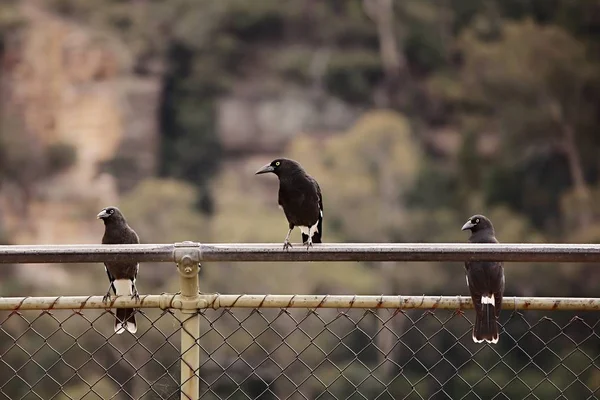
[351, 75]
[530, 65]
[10, 18]
[531, 84]
[163, 210]
[378, 161]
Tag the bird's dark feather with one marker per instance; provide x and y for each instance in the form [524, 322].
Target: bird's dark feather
[299, 196]
[118, 232]
[302, 202]
[485, 278]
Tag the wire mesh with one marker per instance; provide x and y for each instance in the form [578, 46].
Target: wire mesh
[286, 353]
[63, 354]
[392, 354]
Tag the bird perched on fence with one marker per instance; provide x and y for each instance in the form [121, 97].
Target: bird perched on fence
[300, 198]
[121, 274]
[485, 280]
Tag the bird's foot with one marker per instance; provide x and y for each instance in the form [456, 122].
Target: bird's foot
[106, 298]
[308, 244]
[287, 245]
[136, 296]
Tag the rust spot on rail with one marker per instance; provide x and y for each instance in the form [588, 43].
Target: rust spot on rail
[262, 302]
[56, 299]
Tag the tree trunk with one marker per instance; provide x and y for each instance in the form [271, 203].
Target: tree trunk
[568, 146]
[394, 63]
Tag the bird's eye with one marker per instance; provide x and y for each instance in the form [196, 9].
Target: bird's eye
[277, 163]
[111, 211]
[476, 220]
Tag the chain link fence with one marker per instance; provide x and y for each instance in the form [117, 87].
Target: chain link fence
[191, 345]
[321, 352]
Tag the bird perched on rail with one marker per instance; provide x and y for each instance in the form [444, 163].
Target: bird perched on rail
[300, 198]
[485, 280]
[122, 274]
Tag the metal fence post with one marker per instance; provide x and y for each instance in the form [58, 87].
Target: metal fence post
[187, 257]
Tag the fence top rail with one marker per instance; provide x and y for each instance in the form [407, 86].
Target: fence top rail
[217, 301]
[512, 252]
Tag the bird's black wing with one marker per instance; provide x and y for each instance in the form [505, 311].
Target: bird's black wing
[121, 234]
[111, 279]
[299, 198]
[319, 234]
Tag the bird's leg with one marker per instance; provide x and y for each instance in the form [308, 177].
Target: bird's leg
[134, 292]
[311, 232]
[106, 297]
[286, 243]
[308, 243]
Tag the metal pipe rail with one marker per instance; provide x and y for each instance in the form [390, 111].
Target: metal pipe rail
[188, 255]
[269, 252]
[215, 301]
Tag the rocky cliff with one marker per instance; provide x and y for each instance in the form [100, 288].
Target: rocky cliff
[65, 84]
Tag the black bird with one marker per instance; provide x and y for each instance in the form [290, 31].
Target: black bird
[485, 280]
[122, 275]
[301, 200]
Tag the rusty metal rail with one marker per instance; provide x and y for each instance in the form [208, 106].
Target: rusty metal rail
[268, 252]
[196, 345]
[216, 301]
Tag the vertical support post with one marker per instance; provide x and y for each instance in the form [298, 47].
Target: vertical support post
[187, 256]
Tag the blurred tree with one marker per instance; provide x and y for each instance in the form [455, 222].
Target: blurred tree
[392, 60]
[163, 211]
[534, 80]
[25, 161]
[378, 161]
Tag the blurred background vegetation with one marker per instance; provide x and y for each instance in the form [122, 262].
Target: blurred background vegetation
[412, 115]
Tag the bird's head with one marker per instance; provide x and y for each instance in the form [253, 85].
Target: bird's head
[477, 223]
[110, 214]
[280, 166]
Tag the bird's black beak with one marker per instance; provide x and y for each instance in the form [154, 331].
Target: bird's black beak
[265, 169]
[102, 214]
[467, 225]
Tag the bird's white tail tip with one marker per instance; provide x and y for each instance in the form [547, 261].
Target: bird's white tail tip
[130, 326]
[477, 340]
[493, 341]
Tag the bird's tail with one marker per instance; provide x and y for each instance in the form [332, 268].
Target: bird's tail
[486, 327]
[125, 320]
[316, 238]
[319, 233]
[125, 317]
